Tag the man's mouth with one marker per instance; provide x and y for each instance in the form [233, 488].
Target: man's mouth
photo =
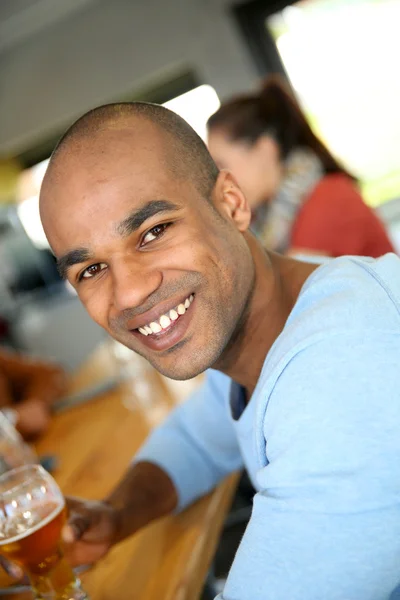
[166, 320]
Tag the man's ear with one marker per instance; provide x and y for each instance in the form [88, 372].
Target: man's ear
[230, 200]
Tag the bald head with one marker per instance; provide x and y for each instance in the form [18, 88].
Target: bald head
[184, 152]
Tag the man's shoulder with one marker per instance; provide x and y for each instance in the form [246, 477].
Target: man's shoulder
[348, 295]
[351, 292]
[333, 372]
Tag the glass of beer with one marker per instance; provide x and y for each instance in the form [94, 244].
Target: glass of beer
[13, 450]
[32, 514]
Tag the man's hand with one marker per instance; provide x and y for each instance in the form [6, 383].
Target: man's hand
[144, 494]
[91, 530]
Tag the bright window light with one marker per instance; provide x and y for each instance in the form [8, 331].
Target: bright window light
[28, 212]
[341, 59]
[195, 107]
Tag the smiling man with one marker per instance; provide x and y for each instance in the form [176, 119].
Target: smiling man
[150, 218]
[155, 241]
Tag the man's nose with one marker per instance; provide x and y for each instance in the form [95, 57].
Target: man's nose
[133, 284]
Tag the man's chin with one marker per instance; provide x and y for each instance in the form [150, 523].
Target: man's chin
[185, 360]
[183, 368]
[179, 374]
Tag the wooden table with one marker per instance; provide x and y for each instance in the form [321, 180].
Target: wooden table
[95, 442]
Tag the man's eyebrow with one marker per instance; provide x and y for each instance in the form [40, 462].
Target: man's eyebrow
[126, 227]
[73, 257]
[140, 215]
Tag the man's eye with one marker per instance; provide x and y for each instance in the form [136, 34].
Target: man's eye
[92, 270]
[154, 233]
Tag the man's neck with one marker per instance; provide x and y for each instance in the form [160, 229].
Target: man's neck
[278, 282]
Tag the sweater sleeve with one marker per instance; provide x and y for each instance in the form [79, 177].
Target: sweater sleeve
[325, 523]
[197, 445]
[335, 221]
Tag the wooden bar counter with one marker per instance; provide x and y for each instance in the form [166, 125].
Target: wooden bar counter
[94, 443]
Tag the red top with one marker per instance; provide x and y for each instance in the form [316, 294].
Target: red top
[335, 221]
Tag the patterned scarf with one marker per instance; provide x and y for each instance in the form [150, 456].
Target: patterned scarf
[274, 220]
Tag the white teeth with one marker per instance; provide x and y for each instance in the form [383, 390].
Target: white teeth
[165, 321]
[155, 327]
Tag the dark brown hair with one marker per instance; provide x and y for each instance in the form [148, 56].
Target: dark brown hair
[273, 111]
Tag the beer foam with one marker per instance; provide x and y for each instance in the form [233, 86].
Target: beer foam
[10, 525]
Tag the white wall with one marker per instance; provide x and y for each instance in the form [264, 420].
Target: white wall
[107, 50]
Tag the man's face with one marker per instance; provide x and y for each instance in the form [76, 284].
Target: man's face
[154, 264]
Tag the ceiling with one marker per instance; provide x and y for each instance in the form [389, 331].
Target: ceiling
[9, 8]
[20, 19]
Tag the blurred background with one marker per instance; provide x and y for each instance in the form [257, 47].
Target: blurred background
[59, 58]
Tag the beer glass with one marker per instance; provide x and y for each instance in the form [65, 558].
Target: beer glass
[32, 514]
[13, 450]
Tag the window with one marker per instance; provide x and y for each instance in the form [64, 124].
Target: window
[340, 58]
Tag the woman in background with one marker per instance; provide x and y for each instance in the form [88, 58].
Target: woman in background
[302, 199]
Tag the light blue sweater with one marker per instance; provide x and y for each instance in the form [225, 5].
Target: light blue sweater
[320, 440]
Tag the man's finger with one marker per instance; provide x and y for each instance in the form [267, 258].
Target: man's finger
[75, 528]
[11, 569]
